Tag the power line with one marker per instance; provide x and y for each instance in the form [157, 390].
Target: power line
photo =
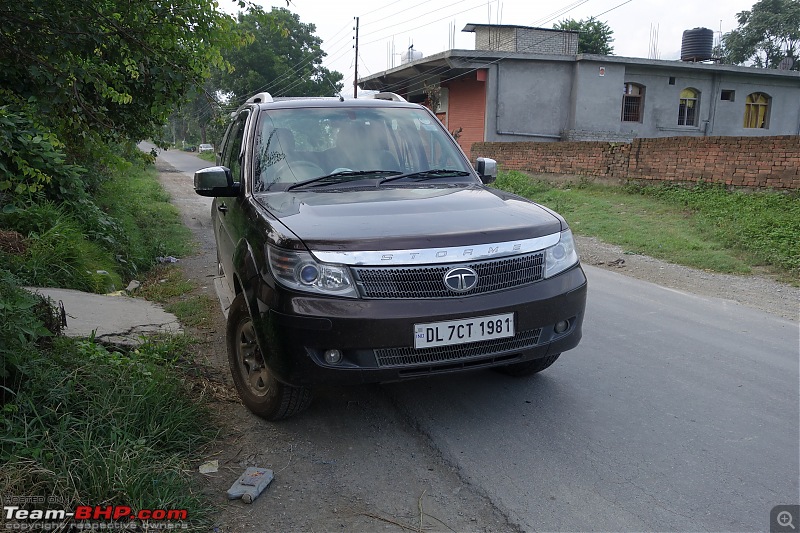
[612, 9]
[327, 62]
[415, 18]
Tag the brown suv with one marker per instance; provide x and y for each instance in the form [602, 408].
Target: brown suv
[361, 246]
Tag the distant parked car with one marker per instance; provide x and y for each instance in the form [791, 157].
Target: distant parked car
[205, 148]
[190, 148]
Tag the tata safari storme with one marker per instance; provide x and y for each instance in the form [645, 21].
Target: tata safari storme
[360, 245]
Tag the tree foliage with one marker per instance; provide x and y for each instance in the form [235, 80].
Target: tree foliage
[767, 34]
[31, 157]
[595, 37]
[114, 67]
[285, 58]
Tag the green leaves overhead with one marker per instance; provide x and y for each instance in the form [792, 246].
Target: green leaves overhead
[30, 156]
[112, 66]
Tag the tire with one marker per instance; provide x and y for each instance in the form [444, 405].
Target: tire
[260, 392]
[528, 368]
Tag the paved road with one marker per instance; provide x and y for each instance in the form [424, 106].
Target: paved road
[186, 162]
[675, 413]
[195, 209]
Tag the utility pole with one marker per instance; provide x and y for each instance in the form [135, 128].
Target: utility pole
[355, 79]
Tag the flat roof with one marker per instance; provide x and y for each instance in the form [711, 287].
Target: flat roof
[463, 61]
[472, 27]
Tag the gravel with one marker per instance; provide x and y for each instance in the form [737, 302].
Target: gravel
[758, 291]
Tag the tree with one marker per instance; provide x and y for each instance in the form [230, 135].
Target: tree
[113, 68]
[767, 34]
[285, 58]
[595, 37]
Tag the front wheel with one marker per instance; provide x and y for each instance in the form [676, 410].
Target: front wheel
[260, 392]
[528, 368]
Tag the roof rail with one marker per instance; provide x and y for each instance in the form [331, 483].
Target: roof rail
[389, 96]
[260, 98]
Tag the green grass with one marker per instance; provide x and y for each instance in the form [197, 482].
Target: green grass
[96, 426]
[121, 234]
[208, 156]
[193, 311]
[705, 227]
[152, 225]
[57, 252]
[164, 283]
[167, 285]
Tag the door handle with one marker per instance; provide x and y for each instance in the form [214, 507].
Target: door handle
[222, 208]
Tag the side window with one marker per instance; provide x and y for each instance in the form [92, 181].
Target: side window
[756, 111]
[633, 102]
[231, 156]
[687, 107]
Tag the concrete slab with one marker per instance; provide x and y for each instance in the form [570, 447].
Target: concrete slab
[119, 320]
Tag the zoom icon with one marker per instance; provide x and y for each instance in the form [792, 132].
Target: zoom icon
[783, 519]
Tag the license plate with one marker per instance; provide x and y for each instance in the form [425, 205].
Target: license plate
[463, 331]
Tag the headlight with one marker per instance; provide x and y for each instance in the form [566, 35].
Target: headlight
[561, 256]
[300, 271]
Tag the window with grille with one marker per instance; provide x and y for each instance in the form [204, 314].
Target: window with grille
[687, 107]
[756, 111]
[633, 102]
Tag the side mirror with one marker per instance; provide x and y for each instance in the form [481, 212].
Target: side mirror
[215, 181]
[487, 169]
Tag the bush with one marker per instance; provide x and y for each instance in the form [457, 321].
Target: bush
[23, 317]
[31, 158]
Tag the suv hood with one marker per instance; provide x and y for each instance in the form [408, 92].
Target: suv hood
[393, 218]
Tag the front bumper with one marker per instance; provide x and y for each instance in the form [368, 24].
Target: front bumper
[376, 336]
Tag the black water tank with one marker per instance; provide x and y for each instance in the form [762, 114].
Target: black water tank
[697, 44]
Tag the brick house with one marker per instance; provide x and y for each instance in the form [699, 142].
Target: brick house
[530, 84]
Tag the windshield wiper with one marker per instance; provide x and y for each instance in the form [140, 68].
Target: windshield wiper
[340, 177]
[432, 174]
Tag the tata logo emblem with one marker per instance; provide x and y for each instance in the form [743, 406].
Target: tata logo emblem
[461, 279]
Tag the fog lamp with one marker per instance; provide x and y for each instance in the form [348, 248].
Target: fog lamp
[333, 357]
[562, 326]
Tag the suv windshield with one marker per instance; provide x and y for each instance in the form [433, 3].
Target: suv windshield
[298, 145]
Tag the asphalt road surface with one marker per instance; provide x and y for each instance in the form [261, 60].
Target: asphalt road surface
[676, 413]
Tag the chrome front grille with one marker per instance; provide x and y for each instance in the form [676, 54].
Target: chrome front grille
[428, 281]
[407, 356]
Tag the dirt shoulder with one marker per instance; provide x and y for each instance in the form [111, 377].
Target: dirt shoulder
[757, 290]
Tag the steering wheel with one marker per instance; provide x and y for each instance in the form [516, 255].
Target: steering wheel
[305, 170]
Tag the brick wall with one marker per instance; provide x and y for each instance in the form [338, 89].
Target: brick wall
[524, 39]
[496, 38]
[757, 162]
[467, 109]
[539, 41]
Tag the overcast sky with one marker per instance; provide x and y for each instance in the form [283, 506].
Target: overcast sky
[426, 24]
